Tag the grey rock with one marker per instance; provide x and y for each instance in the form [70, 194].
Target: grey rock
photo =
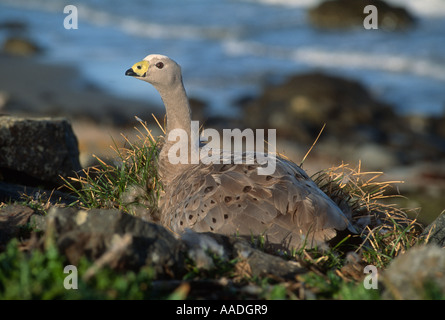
[95, 233]
[263, 264]
[250, 261]
[13, 218]
[417, 274]
[435, 232]
[35, 151]
[15, 192]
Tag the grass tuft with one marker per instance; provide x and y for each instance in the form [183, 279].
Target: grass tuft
[386, 229]
[131, 184]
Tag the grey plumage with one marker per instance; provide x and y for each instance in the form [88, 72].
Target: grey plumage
[286, 207]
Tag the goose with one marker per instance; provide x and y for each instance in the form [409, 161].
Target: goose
[286, 207]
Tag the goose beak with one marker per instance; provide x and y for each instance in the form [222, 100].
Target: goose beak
[130, 73]
[139, 69]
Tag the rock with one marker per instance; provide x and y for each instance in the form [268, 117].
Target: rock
[417, 274]
[435, 232]
[343, 14]
[19, 46]
[301, 105]
[10, 192]
[37, 151]
[13, 220]
[257, 263]
[358, 126]
[251, 261]
[122, 241]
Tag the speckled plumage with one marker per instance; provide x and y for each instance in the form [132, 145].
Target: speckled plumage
[286, 207]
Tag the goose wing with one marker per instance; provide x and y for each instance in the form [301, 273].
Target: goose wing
[286, 207]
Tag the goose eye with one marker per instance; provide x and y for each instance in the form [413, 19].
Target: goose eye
[159, 65]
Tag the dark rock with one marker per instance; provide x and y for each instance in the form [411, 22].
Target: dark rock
[434, 233]
[127, 242]
[261, 264]
[19, 46]
[356, 122]
[15, 192]
[300, 106]
[342, 14]
[417, 274]
[37, 151]
[251, 261]
[13, 219]
[97, 233]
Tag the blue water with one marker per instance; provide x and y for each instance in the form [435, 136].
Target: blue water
[232, 48]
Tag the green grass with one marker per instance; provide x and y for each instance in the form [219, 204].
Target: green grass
[130, 185]
[40, 275]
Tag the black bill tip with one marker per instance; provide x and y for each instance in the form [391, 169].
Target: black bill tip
[130, 72]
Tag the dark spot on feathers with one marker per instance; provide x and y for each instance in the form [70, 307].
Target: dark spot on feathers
[247, 189]
[211, 229]
[250, 167]
[227, 199]
[191, 217]
[268, 178]
[226, 216]
[181, 223]
[208, 189]
[212, 201]
[213, 220]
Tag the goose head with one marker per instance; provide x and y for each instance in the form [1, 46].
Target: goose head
[158, 70]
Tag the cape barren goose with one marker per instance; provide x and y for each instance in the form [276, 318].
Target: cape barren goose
[285, 206]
